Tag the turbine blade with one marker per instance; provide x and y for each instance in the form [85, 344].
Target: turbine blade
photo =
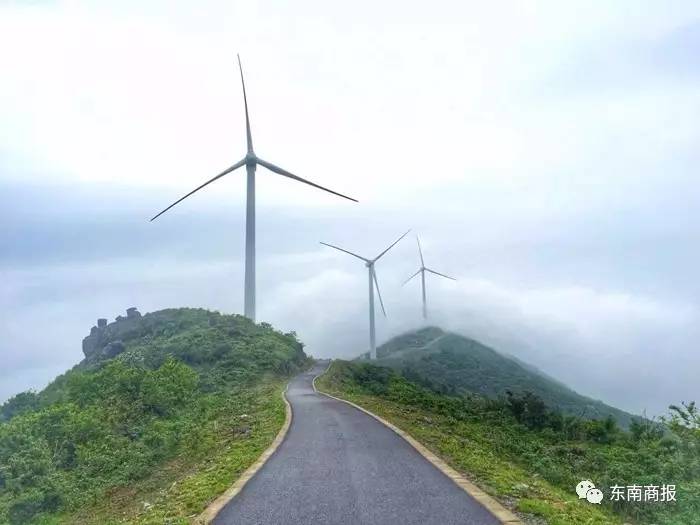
[374, 274]
[285, 173]
[229, 170]
[390, 247]
[342, 250]
[412, 276]
[440, 274]
[245, 102]
[422, 263]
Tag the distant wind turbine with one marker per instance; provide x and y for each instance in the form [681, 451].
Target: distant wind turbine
[369, 263]
[251, 161]
[422, 271]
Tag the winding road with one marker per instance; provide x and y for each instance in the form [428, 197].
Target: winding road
[339, 466]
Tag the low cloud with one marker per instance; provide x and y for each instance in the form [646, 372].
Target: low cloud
[547, 157]
[628, 350]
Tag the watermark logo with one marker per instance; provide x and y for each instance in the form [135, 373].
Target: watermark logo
[644, 493]
[587, 490]
[594, 496]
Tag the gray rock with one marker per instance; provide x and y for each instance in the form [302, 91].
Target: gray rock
[93, 342]
[112, 349]
[241, 431]
[106, 339]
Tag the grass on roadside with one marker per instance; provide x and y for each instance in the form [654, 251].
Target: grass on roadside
[473, 449]
[180, 490]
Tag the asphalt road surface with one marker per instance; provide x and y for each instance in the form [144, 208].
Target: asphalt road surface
[339, 466]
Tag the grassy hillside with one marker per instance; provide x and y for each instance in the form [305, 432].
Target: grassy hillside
[532, 459]
[454, 364]
[152, 434]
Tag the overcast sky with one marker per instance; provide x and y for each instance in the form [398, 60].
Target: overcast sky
[546, 153]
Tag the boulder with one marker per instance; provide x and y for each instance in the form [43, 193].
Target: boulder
[106, 339]
[112, 349]
[93, 342]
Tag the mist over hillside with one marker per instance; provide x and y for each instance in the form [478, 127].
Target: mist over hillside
[585, 245]
[451, 363]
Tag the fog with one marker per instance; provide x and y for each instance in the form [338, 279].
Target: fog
[545, 155]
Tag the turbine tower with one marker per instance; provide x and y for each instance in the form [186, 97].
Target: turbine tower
[422, 271]
[251, 161]
[372, 274]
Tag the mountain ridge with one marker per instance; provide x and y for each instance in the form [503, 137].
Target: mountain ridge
[164, 413]
[451, 363]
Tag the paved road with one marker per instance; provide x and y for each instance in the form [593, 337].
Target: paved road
[339, 466]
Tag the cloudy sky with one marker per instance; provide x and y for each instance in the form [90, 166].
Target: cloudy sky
[546, 152]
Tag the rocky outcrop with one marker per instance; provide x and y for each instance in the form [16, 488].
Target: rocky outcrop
[112, 349]
[106, 339]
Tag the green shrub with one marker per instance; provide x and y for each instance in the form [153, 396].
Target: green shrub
[107, 424]
[546, 444]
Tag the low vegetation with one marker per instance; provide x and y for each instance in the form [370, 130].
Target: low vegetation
[152, 435]
[530, 456]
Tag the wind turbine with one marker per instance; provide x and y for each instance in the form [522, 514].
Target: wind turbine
[369, 263]
[422, 271]
[251, 161]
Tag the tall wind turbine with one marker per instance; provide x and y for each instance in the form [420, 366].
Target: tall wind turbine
[422, 271]
[369, 263]
[251, 161]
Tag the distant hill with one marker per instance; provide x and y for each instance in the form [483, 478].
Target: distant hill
[453, 364]
[164, 412]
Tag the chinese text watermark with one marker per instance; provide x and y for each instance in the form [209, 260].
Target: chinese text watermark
[587, 490]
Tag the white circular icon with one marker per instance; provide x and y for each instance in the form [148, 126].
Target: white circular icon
[594, 496]
[584, 487]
